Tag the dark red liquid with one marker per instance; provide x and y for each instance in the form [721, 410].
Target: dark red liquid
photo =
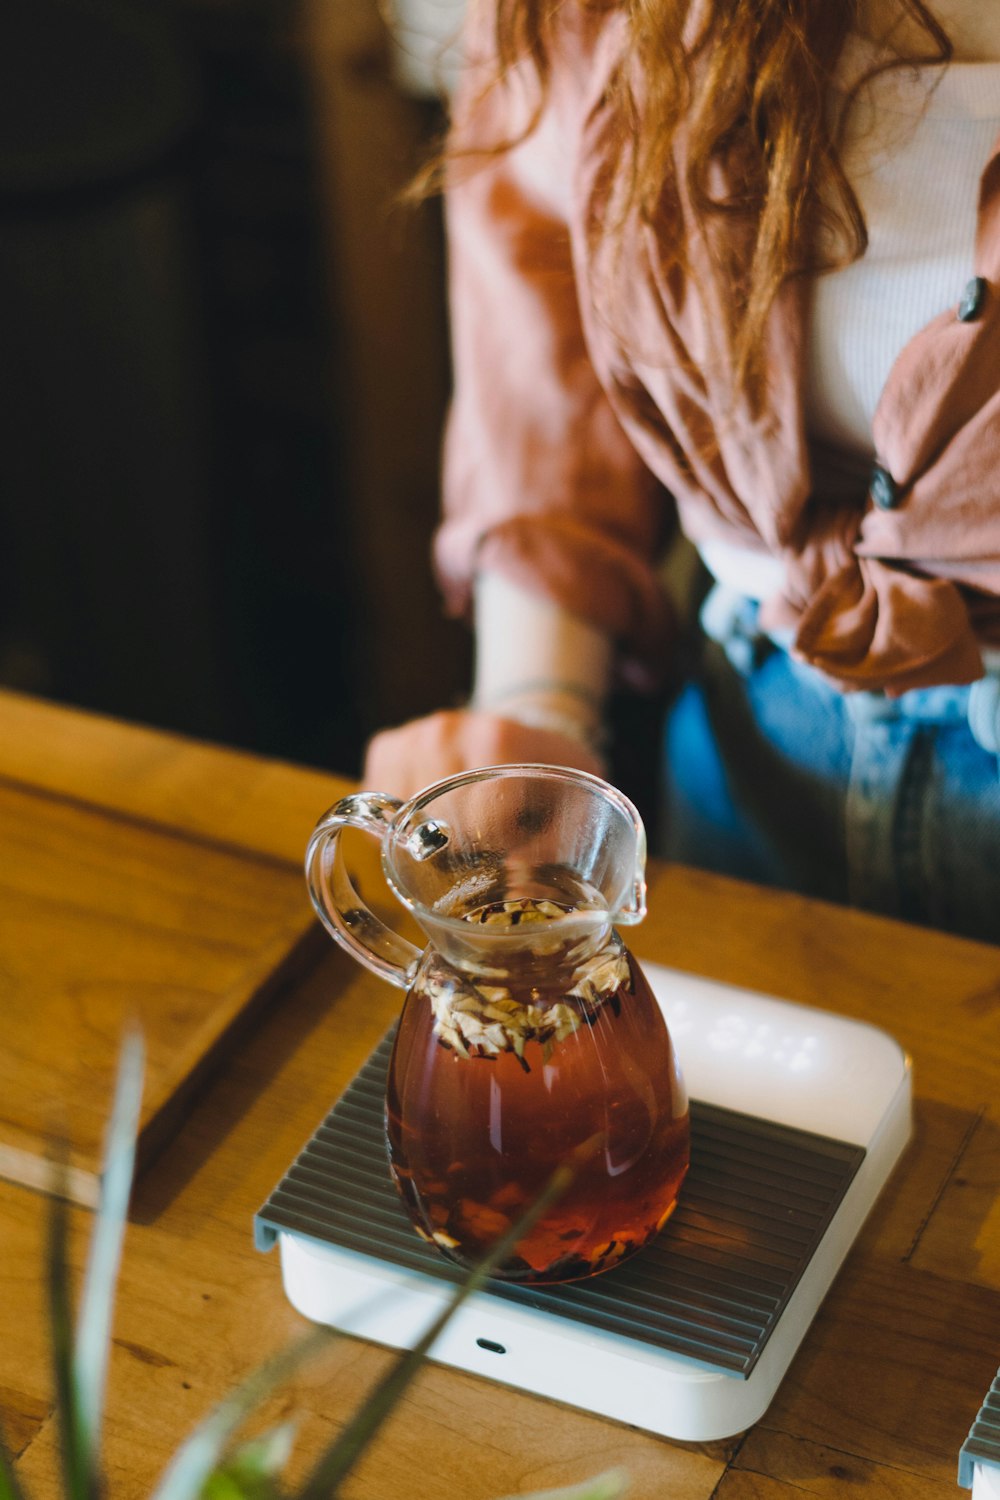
[473, 1140]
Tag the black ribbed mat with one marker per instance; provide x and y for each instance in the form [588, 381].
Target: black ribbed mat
[712, 1285]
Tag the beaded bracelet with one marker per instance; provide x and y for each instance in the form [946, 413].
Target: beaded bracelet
[543, 715]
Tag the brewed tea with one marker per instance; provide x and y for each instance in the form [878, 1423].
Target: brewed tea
[494, 1082]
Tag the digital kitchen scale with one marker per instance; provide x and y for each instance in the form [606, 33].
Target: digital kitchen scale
[797, 1119]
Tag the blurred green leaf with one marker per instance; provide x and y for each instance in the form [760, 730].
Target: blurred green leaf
[93, 1336]
[75, 1452]
[206, 1466]
[198, 1458]
[224, 1485]
[250, 1473]
[344, 1452]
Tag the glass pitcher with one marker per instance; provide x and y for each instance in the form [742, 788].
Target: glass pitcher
[529, 1036]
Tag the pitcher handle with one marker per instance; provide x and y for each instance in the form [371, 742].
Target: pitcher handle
[339, 907]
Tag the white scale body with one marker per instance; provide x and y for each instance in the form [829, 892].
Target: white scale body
[748, 1052]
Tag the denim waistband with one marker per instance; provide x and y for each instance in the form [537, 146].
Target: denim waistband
[731, 620]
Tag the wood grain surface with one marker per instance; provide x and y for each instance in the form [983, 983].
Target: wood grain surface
[880, 1395]
[130, 892]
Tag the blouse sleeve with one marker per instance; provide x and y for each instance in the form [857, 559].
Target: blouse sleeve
[540, 481]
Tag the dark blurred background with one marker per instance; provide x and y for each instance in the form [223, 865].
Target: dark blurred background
[223, 371]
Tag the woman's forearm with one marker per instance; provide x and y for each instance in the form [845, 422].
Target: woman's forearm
[537, 662]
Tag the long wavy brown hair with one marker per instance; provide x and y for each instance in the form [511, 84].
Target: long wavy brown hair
[748, 87]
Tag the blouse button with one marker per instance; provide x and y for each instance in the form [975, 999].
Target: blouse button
[972, 299]
[883, 488]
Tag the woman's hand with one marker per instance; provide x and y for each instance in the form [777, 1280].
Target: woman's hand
[403, 761]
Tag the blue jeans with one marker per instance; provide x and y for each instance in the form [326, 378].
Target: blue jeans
[891, 805]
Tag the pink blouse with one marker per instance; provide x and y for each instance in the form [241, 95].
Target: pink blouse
[585, 420]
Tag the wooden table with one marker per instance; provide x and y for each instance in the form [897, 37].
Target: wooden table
[122, 835]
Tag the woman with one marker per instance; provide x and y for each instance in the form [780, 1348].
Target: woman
[737, 267]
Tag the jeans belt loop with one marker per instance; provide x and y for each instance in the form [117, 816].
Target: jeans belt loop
[730, 619]
[984, 713]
